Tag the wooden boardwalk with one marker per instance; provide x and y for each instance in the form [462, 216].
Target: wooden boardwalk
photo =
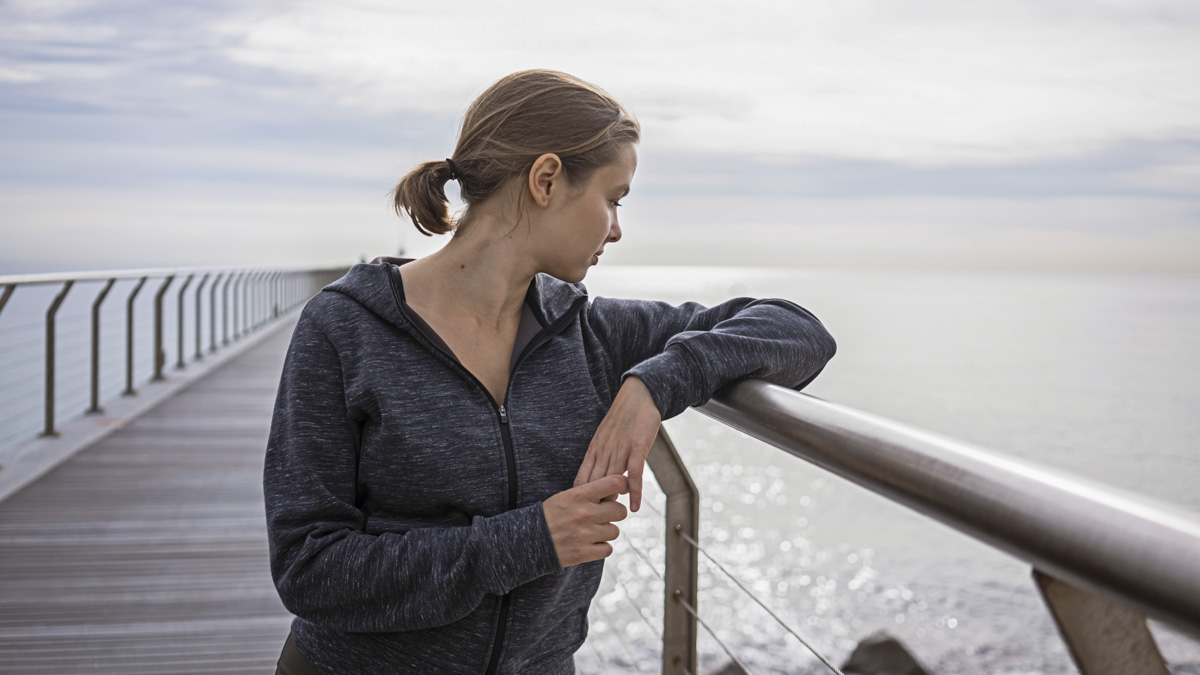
[146, 553]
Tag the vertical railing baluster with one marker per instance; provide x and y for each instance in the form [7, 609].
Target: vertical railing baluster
[256, 292]
[240, 279]
[199, 315]
[160, 356]
[49, 430]
[129, 390]
[264, 308]
[246, 281]
[213, 312]
[1104, 637]
[225, 309]
[95, 408]
[253, 303]
[8, 291]
[680, 575]
[275, 288]
[179, 364]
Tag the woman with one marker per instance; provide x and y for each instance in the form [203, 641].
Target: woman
[451, 433]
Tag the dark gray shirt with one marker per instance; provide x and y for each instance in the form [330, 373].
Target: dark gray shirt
[404, 505]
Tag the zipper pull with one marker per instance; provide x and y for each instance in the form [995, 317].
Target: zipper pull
[503, 415]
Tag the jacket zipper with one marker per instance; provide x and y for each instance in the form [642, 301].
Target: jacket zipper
[506, 600]
[510, 460]
[509, 456]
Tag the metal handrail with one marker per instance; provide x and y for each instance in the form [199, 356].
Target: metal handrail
[266, 293]
[1103, 558]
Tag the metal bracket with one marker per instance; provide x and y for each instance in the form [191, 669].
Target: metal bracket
[1105, 638]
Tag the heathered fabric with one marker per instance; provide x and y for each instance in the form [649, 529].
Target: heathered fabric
[406, 528]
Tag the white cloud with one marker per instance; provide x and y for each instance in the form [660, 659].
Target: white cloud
[17, 76]
[926, 83]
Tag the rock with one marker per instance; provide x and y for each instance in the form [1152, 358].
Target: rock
[730, 668]
[882, 654]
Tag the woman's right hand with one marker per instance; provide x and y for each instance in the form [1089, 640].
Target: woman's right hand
[581, 519]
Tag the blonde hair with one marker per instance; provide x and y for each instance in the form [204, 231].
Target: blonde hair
[514, 121]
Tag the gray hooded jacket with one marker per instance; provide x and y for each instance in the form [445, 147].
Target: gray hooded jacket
[404, 505]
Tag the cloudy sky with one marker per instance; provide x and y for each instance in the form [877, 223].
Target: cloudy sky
[1045, 134]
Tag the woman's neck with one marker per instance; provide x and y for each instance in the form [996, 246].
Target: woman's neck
[480, 277]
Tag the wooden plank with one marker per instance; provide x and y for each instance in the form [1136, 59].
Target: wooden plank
[146, 553]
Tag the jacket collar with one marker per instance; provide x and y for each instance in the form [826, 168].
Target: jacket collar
[370, 285]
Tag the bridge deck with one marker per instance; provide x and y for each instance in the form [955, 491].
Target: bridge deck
[147, 552]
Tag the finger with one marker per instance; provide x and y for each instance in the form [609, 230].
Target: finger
[635, 484]
[616, 511]
[605, 486]
[584, 475]
[600, 466]
[601, 550]
[607, 532]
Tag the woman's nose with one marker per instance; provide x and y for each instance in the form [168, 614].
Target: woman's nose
[614, 232]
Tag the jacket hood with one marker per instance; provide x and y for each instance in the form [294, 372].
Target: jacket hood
[374, 286]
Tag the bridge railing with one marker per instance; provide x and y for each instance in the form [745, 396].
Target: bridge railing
[1103, 559]
[239, 299]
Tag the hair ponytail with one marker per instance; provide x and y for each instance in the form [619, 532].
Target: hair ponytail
[422, 194]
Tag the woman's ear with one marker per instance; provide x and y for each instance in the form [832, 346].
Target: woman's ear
[545, 178]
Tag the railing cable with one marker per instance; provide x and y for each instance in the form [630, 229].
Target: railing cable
[734, 579]
[600, 660]
[637, 608]
[780, 621]
[620, 638]
[641, 555]
[691, 610]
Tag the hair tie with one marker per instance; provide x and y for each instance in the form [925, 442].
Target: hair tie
[453, 169]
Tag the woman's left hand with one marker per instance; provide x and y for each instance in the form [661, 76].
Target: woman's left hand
[623, 439]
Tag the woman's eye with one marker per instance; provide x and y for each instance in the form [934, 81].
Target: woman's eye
[615, 203]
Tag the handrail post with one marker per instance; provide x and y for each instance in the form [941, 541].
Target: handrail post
[179, 364]
[239, 280]
[246, 303]
[129, 390]
[159, 355]
[260, 288]
[199, 315]
[212, 312]
[1104, 637]
[8, 291]
[95, 408]
[247, 324]
[49, 430]
[275, 294]
[225, 309]
[679, 578]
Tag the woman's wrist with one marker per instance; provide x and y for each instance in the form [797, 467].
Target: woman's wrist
[635, 393]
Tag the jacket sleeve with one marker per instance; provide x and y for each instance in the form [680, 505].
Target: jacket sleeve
[686, 353]
[326, 568]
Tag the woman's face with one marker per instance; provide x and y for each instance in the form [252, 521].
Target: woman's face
[587, 222]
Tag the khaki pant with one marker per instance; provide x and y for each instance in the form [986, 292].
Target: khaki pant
[292, 662]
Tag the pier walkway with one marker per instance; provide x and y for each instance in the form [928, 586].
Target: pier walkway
[146, 553]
